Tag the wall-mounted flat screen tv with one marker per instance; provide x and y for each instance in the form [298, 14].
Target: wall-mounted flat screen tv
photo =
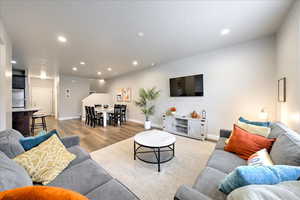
[187, 86]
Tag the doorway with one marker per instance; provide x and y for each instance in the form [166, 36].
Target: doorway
[42, 95]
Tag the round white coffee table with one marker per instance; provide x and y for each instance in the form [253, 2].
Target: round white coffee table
[158, 142]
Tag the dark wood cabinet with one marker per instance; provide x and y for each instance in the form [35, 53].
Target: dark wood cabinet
[21, 121]
[18, 82]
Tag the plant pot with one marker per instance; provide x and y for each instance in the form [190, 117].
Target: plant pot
[147, 125]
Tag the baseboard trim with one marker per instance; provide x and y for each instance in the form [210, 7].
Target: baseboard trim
[212, 137]
[68, 118]
[141, 122]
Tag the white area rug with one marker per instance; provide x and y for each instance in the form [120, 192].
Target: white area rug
[143, 179]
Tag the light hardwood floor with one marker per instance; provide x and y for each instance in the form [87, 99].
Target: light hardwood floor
[93, 139]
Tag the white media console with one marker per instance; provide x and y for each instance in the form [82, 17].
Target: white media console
[185, 126]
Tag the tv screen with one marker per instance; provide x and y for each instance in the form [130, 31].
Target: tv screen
[187, 86]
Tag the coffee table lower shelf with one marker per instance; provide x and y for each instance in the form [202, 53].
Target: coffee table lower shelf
[156, 151]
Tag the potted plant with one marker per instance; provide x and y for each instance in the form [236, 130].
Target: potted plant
[146, 103]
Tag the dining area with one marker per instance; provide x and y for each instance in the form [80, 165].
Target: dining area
[102, 115]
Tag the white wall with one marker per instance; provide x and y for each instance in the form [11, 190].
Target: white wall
[5, 79]
[71, 107]
[98, 86]
[56, 95]
[238, 81]
[288, 62]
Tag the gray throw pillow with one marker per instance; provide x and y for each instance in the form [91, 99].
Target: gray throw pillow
[277, 129]
[286, 149]
[9, 143]
[12, 175]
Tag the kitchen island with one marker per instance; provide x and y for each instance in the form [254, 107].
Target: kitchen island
[21, 118]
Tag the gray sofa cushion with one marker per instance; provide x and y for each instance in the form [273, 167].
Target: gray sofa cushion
[83, 177]
[286, 149]
[70, 141]
[12, 175]
[111, 190]
[225, 161]
[187, 193]
[9, 143]
[81, 155]
[208, 183]
[277, 129]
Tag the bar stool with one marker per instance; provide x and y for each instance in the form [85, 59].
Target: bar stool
[35, 125]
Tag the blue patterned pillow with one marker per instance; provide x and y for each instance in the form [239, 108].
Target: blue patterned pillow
[266, 124]
[258, 175]
[30, 142]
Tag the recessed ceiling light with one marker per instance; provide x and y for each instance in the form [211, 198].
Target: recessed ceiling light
[225, 31]
[101, 80]
[62, 39]
[140, 34]
[99, 73]
[74, 68]
[82, 63]
[135, 63]
[13, 62]
[109, 69]
[152, 64]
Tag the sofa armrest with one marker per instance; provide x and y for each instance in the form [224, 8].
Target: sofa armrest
[188, 193]
[225, 133]
[70, 141]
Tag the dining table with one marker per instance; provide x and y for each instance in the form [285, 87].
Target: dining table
[104, 112]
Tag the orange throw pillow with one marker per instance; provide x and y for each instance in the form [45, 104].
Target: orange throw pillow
[244, 144]
[40, 193]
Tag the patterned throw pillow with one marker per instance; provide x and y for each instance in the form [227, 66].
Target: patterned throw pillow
[259, 158]
[46, 161]
[266, 124]
[257, 130]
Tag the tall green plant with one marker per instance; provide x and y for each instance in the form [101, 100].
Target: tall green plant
[146, 101]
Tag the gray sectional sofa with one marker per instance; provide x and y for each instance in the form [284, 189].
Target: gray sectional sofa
[285, 151]
[83, 174]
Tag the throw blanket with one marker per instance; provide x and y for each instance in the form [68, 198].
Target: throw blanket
[289, 190]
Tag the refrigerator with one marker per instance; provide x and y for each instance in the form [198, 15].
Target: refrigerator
[18, 98]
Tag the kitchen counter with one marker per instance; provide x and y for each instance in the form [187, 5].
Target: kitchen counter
[21, 119]
[25, 109]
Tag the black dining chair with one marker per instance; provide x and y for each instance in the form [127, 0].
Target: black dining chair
[115, 117]
[123, 113]
[87, 115]
[96, 118]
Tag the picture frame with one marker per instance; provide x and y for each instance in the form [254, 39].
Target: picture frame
[126, 94]
[282, 90]
[68, 93]
[119, 96]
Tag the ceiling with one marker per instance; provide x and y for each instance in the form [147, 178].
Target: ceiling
[105, 33]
